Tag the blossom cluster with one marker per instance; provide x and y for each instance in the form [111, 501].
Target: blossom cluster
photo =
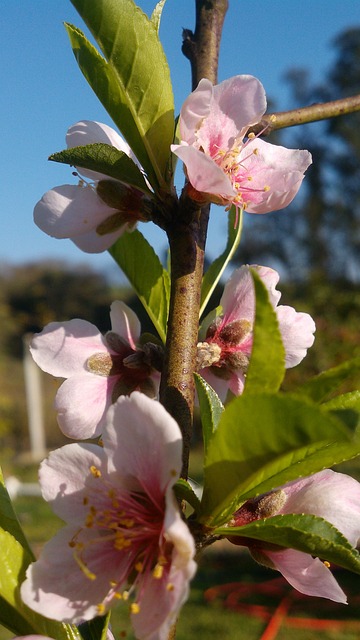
[125, 537]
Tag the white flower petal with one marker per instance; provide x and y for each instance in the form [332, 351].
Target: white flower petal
[125, 322]
[62, 348]
[70, 210]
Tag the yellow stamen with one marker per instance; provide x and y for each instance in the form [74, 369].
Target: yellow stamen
[86, 571]
[101, 609]
[139, 567]
[170, 586]
[134, 607]
[89, 520]
[327, 564]
[266, 188]
[158, 571]
[127, 522]
[121, 542]
[95, 471]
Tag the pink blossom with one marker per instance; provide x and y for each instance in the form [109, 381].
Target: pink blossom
[223, 168]
[224, 355]
[98, 368]
[92, 214]
[327, 494]
[125, 538]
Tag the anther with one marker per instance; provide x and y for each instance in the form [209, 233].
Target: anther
[95, 471]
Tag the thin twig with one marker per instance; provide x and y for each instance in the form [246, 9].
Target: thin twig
[313, 113]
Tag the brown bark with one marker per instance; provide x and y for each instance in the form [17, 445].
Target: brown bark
[187, 231]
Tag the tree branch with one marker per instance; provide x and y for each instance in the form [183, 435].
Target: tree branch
[202, 47]
[186, 232]
[315, 112]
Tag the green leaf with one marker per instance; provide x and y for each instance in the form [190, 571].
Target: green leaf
[133, 83]
[8, 519]
[142, 267]
[320, 387]
[156, 14]
[14, 562]
[211, 408]
[303, 532]
[267, 363]
[217, 268]
[184, 491]
[262, 442]
[350, 400]
[105, 159]
[12, 620]
[14, 615]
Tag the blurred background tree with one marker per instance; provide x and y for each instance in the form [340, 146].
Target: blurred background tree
[317, 238]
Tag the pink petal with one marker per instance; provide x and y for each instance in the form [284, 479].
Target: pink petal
[90, 132]
[203, 173]
[56, 585]
[92, 242]
[297, 332]
[177, 532]
[195, 108]
[237, 383]
[306, 574]
[125, 323]
[237, 103]
[64, 479]
[81, 404]
[70, 210]
[144, 442]
[154, 622]
[277, 157]
[329, 495]
[238, 298]
[62, 348]
[277, 168]
[270, 278]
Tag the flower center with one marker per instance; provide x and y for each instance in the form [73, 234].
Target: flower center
[131, 205]
[126, 529]
[242, 172]
[228, 347]
[130, 366]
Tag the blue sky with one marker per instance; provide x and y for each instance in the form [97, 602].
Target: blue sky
[43, 93]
